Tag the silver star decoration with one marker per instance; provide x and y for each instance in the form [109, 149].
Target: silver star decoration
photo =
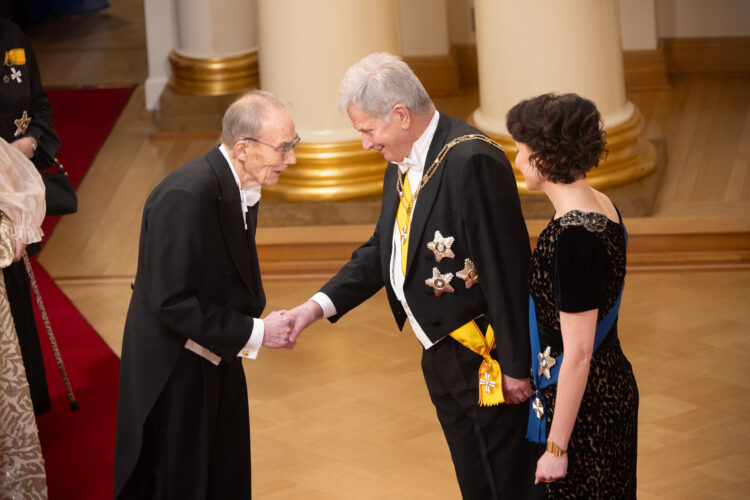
[441, 247]
[546, 362]
[15, 74]
[468, 274]
[538, 407]
[440, 283]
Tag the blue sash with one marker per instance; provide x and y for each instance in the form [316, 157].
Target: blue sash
[536, 429]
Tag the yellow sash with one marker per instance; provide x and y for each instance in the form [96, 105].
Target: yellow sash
[490, 375]
[402, 219]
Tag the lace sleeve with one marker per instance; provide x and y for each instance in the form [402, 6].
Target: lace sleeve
[21, 194]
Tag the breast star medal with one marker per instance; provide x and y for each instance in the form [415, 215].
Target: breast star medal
[15, 75]
[538, 407]
[468, 274]
[546, 362]
[440, 283]
[22, 124]
[441, 247]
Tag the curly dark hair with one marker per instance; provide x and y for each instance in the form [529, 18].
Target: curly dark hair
[564, 132]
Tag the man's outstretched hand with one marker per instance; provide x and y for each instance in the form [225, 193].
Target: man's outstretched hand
[303, 316]
[277, 330]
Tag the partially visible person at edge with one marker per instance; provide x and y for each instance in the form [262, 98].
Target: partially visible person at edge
[452, 251]
[182, 412]
[26, 123]
[21, 213]
[576, 279]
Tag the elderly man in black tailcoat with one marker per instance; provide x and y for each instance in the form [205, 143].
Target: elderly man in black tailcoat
[182, 417]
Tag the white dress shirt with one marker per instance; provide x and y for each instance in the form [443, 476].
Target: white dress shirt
[247, 197]
[413, 165]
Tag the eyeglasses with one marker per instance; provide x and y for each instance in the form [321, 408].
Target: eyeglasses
[282, 148]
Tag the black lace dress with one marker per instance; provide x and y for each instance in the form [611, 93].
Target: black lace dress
[579, 265]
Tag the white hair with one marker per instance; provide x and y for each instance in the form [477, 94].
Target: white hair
[246, 116]
[378, 82]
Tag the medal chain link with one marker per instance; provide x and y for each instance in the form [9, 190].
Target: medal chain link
[434, 166]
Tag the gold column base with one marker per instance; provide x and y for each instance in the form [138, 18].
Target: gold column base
[213, 75]
[344, 171]
[331, 172]
[631, 157]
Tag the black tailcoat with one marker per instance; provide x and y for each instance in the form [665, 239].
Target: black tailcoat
[197, 278]
[24, 93]
[472, 197]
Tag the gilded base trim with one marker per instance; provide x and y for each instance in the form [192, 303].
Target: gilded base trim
[631, 157]
[214, 75]
[331, 172]
[344, 171]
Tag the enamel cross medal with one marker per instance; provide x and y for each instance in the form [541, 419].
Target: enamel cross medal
[404, 232]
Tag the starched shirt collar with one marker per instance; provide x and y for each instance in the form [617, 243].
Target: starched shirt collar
[418, 154]
[249, 196]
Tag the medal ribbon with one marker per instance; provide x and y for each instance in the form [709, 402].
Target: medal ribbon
[490, 374]
[15, 57]
[402, 220]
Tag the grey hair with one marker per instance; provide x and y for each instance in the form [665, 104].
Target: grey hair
[380, 81]
[247, 115]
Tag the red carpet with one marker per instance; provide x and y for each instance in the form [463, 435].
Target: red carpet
[78, 447]
[83, 118]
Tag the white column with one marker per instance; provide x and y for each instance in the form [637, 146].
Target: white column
[219, 28]
[159, 18]
[305, 49]
[561, 47]
[215, 47]
[571, 46]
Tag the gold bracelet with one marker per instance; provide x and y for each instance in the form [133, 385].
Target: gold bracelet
[555, 450]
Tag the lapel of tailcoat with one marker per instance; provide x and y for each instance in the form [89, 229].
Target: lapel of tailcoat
[390, 206]
[230, 215]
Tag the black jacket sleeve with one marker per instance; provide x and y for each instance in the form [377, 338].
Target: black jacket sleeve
[499, 244]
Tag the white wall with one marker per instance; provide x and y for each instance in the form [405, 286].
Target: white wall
[702, 18]
[424, 27]
[638, 25]
[460, 28]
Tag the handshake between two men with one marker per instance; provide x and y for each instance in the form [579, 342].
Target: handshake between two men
[281, 328]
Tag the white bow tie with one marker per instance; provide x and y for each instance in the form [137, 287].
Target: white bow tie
[251, 196]
[406, 164]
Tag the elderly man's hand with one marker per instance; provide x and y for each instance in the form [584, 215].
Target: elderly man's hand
[304, 315]
[277, 328]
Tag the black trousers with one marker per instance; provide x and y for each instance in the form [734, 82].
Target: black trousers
[196, 440]
[21, 308]
[490, 454]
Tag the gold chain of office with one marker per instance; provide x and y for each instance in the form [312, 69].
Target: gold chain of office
[435, 164]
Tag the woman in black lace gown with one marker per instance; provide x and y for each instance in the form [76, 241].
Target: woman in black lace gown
[577, 275]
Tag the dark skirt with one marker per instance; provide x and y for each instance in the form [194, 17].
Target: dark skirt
[18, 287]
[603, 447]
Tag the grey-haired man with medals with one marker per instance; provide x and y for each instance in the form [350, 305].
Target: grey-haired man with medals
[452, 250]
